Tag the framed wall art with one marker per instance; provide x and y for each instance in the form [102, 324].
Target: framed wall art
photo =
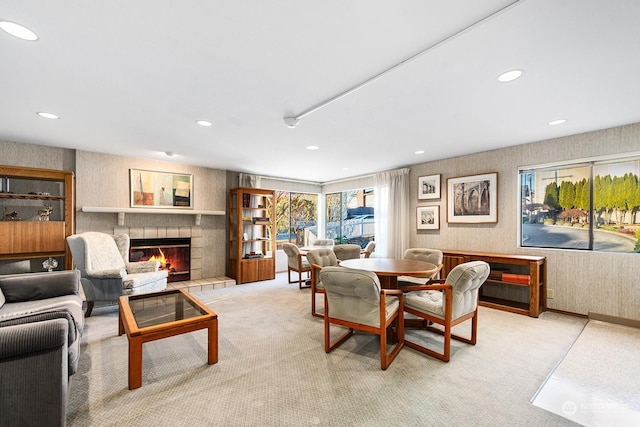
[428, 217]
[151, 189]
[429, 187]
[473, 199]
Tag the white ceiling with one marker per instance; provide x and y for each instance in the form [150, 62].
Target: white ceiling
[132, 77]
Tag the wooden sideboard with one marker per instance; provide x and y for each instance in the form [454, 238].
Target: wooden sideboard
[510, 275]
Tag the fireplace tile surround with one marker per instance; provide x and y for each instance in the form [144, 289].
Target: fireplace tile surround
[197, 282]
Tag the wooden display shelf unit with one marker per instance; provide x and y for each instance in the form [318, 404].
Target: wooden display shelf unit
[28, 190]
[533, 267]
[252, 244]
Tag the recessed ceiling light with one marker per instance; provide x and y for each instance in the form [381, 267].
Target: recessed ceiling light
[345, 169]
[312, 147]
[557, 122]
[510, 76]
[48, 115]
[204, 123]
[18, 31]
[419, 152]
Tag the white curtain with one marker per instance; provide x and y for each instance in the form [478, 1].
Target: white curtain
[392, 213]
[249, 181]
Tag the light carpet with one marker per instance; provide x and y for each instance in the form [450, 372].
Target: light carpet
[273, 371]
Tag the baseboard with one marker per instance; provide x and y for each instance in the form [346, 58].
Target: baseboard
[568, 313]
[613, 319]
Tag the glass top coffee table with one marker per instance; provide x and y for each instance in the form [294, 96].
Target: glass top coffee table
[152, 316]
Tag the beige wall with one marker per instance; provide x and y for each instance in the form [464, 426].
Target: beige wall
[36, 156]
[584, 282]
[103, 181]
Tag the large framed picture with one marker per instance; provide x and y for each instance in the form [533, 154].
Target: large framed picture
[473, 199]
[429, 187]
[151, 189]
[428, 217]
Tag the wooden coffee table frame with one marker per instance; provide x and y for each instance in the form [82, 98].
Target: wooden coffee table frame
[138, 336]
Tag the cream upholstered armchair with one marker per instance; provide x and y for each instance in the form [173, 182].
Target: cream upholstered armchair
[297, 262]
[448, 304]
[368, 250]
[324, 242]
[319, 258]
[105, 270]
[347, 251]
[433, 256]
[354, 299]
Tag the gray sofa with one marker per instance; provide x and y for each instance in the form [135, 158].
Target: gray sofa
[41, 323]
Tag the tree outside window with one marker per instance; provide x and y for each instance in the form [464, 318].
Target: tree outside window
[593, 206]
[296, 217]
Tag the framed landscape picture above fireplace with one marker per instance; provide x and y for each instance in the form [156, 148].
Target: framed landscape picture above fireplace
[151, 189]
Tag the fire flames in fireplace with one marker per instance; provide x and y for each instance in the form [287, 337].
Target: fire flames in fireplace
[174, 255]
[162, 259]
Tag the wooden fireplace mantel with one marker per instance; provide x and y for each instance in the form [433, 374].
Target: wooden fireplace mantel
[197, 213]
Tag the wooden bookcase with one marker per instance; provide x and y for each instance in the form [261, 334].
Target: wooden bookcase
[26, 232]
[518, 283]
[252, 235]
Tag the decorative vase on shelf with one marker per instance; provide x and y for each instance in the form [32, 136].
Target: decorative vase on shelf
[49, 264]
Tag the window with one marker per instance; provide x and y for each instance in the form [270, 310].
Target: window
[593, 205]
[350, 217]
[296, 218]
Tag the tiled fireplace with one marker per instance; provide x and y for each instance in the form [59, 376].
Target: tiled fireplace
[191, 234]
[174, 255]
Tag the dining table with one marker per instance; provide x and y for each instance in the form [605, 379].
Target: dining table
[388, 269]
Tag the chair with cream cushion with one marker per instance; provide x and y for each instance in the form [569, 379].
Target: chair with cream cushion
[347, 251]
[297, 262]
[448, 304]
[433, 256]
[368, 250]
[319, 258]
[324, 242]
[354, 300]
[105, 270]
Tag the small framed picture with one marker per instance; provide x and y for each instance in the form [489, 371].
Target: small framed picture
[428, 217]
[429, 187]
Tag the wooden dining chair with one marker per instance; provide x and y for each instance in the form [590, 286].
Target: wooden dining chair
[448, 304]
[296, 262]
[347, 251]
[433, 256]
[319, 258]
[353, 299]
[324, 242]
[368, 250]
